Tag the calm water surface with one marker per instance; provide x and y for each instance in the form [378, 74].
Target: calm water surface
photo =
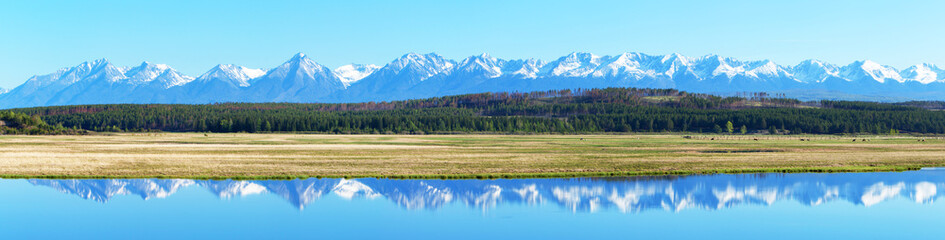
[748, 206]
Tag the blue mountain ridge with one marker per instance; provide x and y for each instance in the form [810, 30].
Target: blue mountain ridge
[412, 76]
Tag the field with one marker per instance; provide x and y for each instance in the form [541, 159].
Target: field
[243, 156]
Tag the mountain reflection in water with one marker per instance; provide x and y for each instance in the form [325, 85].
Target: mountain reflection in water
[634, 194]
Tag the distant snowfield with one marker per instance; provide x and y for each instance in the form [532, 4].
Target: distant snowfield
[301, 79]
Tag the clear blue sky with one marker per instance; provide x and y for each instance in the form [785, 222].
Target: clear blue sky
[40, 36]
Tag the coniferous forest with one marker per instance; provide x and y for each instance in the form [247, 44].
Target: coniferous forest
[561, 111]
[19, 123]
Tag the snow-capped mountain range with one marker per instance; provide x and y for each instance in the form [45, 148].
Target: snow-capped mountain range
[301, 79]
[670, 193]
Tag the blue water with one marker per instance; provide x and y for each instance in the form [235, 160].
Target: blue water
[749, 206]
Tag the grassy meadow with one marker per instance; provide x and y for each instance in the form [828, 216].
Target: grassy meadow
[277, 156]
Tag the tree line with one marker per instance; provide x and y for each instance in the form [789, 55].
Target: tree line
[559, 111]
[21, 123]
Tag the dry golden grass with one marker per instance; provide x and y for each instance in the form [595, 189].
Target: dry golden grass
[274, 155]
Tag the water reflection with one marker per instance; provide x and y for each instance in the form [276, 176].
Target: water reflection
[671, 193]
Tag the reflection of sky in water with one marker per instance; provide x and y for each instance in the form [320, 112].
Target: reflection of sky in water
[672, 193]
[650, 206]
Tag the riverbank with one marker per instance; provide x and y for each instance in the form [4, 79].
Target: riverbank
[284, 156]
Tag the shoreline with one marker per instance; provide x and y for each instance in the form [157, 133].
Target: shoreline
[293, 156]
[500, 175]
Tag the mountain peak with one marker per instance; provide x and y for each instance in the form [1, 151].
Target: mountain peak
[575, 64]
[298, 80]
[99, 61]
[482, 65]
[354, 72]
[303, 60]
[299, 65]
[812, 62]
[418, 66]
[924, 73]
[480, 57]
[676, 62]
[146, 72]
[581, 56]
[928, 65]
[527, 68]
[872, 70]
[414, 57]
[170, 78]
[870, 65]
[89, 65]
[237, 75]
